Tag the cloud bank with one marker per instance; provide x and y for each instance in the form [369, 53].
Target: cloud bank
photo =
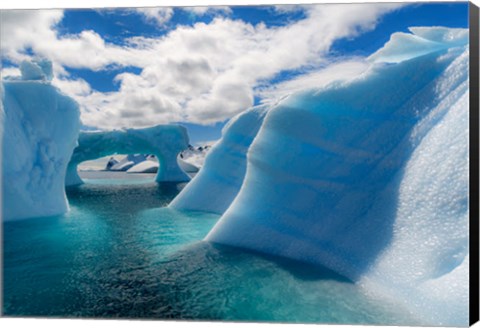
[203, 73]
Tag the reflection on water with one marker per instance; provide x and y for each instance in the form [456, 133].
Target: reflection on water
[115, 177]
[120, 253]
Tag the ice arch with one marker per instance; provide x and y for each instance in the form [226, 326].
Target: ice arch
[164, 141]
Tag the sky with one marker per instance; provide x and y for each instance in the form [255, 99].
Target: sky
[200, 66]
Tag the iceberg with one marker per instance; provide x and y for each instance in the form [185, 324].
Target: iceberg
[218, 182]
[187, 166]
[163, 141]
[111, 162]
[367, 177]
[423, 40]
[196, 155]
[40, 70]
[128, 162]
[40, 131]
[122, 166]
[146, 166]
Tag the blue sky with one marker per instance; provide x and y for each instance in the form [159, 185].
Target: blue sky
[199, 66]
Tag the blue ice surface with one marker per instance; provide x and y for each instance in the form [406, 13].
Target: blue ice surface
[322, 157]
[215, 186]
[120, 253]
[39, 133]
[369, 177]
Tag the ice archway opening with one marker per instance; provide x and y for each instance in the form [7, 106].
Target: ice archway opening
[163, 141]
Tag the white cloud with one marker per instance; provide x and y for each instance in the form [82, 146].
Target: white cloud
[159, 15]
[76, 88]
[203, 73]
[24, 29]
[34, 30]
[342, 71]
[203, 10]
[10, 72]
[290, 8]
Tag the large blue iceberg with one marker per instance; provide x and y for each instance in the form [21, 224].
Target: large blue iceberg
[163, 141]
[367, 177]
[40, 131]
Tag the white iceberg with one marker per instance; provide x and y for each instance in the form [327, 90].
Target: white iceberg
[152, 165]
[40, 131]
[187, 166]
[146, 166]
[123, 166]
[111, 162]
[128, 162]
[196, 155]
[368, 177]
[163, 141]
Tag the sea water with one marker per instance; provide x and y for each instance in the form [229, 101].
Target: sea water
[120, 252]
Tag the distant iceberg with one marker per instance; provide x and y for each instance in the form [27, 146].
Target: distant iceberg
[187, 166]
[367, 177]
[40, 131]
[111, 162]
[163, 141]
[146, 166]
[152, 166]
[196, 155]
[128, 162]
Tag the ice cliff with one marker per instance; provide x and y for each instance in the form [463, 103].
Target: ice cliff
[163, 141]
[40, 130]
[367, 177]
[217, 184]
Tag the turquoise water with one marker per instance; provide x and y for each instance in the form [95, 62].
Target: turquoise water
[118, 253]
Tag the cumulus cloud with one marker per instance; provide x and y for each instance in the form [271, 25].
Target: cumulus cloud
[342, 71]
[34, 31]
[203, 73]
[203, 10]
[291, 8]
[74, 87]
[159, 16]
[21, 30]
[10, 72]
